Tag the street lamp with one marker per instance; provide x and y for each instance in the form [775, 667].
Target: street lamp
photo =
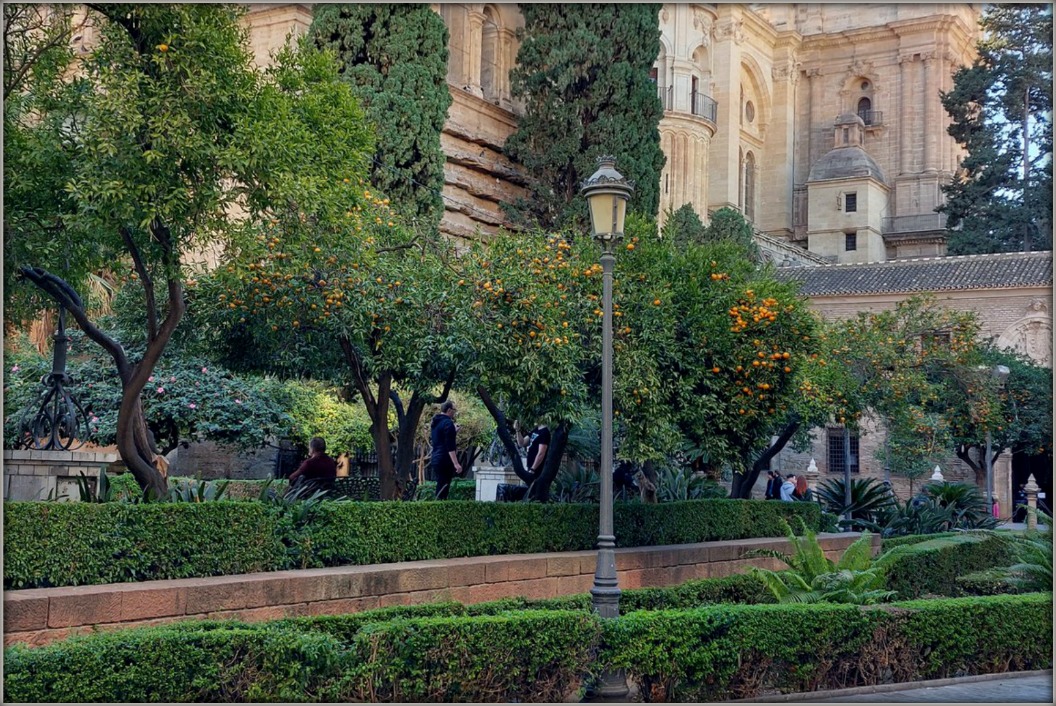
[999, 374]
[607, 193]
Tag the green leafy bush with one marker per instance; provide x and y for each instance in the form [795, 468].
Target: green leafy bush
[70, 544]
[728, 652]
[936, 561]
[461, 489]
[58, 544]
[442, 653]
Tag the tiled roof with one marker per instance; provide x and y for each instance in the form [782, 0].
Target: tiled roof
[926, 274]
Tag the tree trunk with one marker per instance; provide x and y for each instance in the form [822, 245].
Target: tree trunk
[134, 445]
[744, 483]
[503, 430]
[379, 429]
[540, 489]
[977, 464]
[407, 432]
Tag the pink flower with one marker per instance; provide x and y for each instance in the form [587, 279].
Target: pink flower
[150, 379]
[172, 379]
[205, 370]
[95, 419]
[238, 401]
[161, 390]
[192, 405]
[15, 368]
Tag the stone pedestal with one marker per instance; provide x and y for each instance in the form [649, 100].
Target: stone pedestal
[488, 479]
[1031, 489]
[34, 475]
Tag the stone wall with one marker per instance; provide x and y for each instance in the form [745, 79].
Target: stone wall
[44, 615]
[211, 461]
[38, 475]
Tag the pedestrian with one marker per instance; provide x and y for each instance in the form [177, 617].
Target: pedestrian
[802, 491]
[444, 457]
[318, 468]
[788, 487]
[773, 485]
[537, 442]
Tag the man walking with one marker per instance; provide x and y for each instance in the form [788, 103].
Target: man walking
[444, 458]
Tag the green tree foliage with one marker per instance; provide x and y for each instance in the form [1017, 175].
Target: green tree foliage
[141, 156]
[910, 367]
[1018, 414]
[354, 299]
[395, 59]
[683, 225]
[583, 72]
[1001, 108]
[707, 348]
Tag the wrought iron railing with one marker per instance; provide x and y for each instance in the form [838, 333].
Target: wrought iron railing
[667, 97]
[704, 106]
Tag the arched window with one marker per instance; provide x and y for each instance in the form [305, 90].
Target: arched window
[489, 56]
[865, 110]
[749, 187]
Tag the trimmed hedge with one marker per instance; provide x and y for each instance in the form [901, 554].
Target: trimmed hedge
[63, 544]
[69, 544]
[373, 533]
[529, 656]
[934, 572]
[412, 655]
[729, 652]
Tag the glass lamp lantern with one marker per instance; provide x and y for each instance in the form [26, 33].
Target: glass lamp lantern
[607, 193]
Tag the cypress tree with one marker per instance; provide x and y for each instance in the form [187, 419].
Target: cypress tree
[1001, 108]
[583, 73]
[395, 57]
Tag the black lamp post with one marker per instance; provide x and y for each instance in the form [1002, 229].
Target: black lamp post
[59, 422]
[607, 193]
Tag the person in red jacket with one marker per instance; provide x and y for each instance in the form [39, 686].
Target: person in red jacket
[318, 467]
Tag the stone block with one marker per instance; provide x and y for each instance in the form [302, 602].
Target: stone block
[23, 487]
[497, 571]
[70, 609]
[318, 586]
[562, 566]
[210, 596]
[341, 606]
[378, 583]
[147, 603]
[466, 574]
[392, 599]
[571, 585]
[256, 615]
[25, 610]
[486, 592]
[522, 569]
[535, 588]
[422, 579]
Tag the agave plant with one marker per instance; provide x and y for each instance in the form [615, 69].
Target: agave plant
[869, 499]
[102, 492]
[814, 578]
[915, 516]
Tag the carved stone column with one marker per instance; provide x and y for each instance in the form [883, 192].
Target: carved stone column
[931, 102]
[905, 125]
[471, 57]
[814, 78]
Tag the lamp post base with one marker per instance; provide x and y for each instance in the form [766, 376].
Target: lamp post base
[609, 687]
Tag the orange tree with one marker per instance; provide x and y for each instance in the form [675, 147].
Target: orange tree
[912, 367]
[354, 298]
[706, 347]
[161, 141]
[1018, 414]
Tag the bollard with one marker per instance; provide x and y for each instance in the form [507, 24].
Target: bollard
[1031, 489]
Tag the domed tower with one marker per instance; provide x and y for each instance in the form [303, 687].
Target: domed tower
[847, 199]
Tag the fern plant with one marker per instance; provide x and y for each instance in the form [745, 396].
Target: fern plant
[814, 578]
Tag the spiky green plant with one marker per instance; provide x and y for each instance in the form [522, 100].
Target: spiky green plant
[869, 499]
[814, 578]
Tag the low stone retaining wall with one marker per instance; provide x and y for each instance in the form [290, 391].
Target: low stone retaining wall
[42, 615]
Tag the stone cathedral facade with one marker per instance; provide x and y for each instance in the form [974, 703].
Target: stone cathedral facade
[821, 123]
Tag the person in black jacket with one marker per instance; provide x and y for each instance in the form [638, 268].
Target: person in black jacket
[444, 458]
[773, 485]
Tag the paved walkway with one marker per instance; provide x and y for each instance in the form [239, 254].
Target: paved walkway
[1027, 687]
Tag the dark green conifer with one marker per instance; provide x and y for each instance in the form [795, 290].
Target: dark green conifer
[395, 56]
[583, 73]
[1001, 108]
